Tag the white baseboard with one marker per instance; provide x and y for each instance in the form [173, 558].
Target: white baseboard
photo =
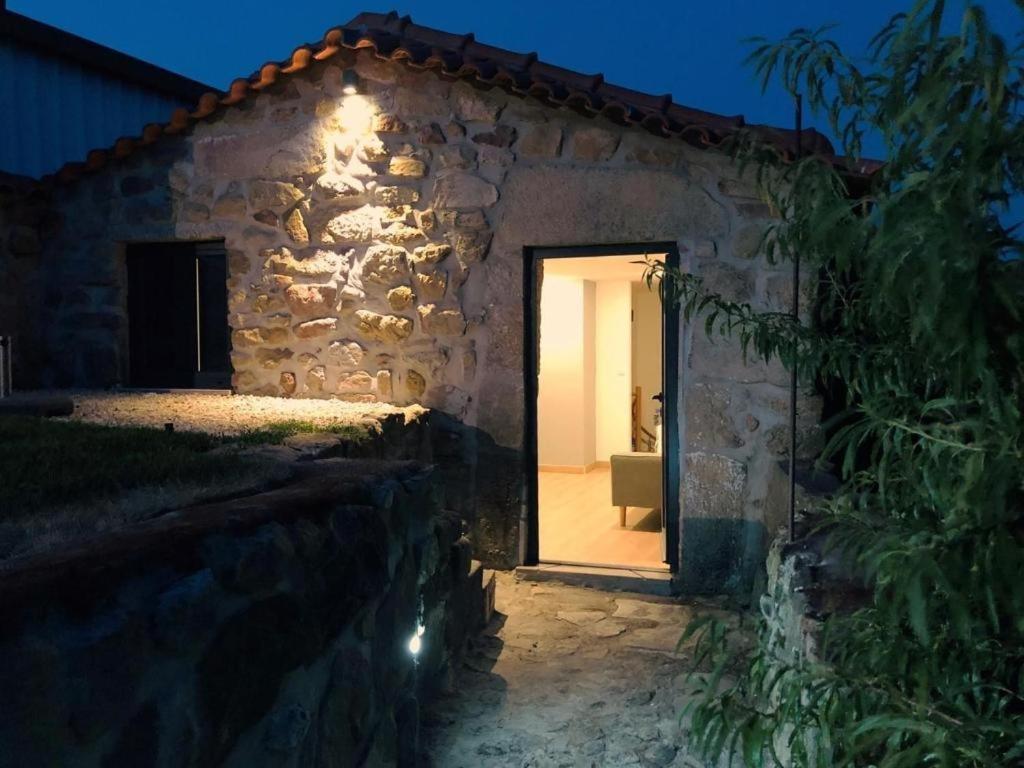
[571, 469]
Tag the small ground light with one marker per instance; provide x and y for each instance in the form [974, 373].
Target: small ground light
[349, 82]
[416, 642]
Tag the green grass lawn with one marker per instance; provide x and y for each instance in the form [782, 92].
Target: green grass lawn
[276, 432]
[46, 463]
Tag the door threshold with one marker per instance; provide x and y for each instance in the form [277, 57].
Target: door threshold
[613, 579]
[607, 566]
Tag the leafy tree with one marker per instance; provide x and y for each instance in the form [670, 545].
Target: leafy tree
[919, 318]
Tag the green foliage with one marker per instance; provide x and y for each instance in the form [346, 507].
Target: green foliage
[276, 432]
[47, 463]
[919, 317]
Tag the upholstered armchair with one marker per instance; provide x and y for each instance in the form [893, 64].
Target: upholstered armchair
[636, 481]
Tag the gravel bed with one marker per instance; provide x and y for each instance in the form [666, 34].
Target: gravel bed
[221, 414]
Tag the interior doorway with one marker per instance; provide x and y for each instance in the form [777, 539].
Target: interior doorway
[178, 335]
[602, 489]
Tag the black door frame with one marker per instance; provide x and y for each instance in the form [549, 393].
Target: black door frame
[670, 388]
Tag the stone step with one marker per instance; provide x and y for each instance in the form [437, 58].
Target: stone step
[646, 582]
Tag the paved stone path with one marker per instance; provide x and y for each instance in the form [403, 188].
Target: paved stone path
[566, 677]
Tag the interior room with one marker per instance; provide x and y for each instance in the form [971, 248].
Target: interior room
[599, 460]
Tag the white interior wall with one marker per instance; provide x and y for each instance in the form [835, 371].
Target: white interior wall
[589, 373]
[598, 339]
[646, 350]
[561, 395]
[613, 368]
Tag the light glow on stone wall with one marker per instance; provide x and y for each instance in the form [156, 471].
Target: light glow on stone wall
[355, 114]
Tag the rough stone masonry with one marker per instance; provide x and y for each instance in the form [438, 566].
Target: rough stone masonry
[269, 630]
[376, 248]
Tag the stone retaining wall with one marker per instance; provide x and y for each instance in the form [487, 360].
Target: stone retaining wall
[267, 631]
[807, 582]
[784, 605]
[791, 632]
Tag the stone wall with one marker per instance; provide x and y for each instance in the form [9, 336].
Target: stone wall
[792, 632]
[85, 314]
[267, 631]
[808, 581]
[376, 253]
[26, 219]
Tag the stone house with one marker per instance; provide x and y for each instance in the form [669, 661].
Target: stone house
[379, 198]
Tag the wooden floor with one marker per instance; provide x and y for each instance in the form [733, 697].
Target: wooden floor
[578, 523]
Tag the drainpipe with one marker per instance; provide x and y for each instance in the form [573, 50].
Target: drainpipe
[6, 365]
[796, 319]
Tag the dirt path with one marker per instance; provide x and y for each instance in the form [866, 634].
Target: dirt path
[567, 677]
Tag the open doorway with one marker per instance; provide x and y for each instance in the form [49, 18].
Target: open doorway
[603, 462]
[178, 335]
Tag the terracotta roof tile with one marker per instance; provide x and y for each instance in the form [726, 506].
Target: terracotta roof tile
[453, 56]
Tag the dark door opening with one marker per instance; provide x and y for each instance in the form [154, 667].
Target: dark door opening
[178, 335]
[576, 511]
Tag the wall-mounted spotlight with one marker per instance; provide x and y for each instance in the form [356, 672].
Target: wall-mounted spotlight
[349, 82]
[416, 641]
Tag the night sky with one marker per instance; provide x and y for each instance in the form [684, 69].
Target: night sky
[693, 49]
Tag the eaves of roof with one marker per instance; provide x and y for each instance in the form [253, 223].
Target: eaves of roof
[461, 57]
